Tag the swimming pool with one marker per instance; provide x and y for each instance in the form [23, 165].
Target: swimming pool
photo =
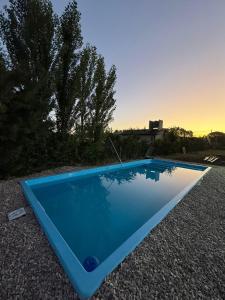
[94, 218]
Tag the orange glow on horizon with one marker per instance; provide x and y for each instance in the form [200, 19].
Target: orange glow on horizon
[195, 101]
[196, 132]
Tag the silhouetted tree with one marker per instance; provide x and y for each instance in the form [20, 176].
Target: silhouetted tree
[51, 91]
[68, 42]
[102, 102]
[217, 139]
[174, 133]
[85, 86]
[27, 32]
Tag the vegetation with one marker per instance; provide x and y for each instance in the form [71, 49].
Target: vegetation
[56, 98]
[217, 140]
[177, 140]
[182, 146]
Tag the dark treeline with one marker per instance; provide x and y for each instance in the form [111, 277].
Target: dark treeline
[56, 96]
[176, 139]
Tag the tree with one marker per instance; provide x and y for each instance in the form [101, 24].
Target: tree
[43, 73]
[27, 32]
[216, 139]
[85, 86]
[175, 133]
[102, 102]
[69, 40]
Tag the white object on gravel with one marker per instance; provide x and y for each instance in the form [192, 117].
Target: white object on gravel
[16, 214]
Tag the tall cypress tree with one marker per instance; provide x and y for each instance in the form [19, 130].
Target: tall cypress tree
[69, 41]
[102, 102]
[85, 85]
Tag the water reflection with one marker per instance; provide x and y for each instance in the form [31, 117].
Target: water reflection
[150, 171]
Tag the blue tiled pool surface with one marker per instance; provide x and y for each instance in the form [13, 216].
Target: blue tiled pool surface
[94, 218]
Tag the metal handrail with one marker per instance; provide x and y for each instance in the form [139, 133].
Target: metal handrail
[116, 152]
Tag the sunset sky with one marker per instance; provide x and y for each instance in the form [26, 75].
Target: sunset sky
[170, 59]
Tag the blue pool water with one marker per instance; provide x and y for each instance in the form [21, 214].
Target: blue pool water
[96, 213]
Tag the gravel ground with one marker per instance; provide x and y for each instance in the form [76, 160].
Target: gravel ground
[182, 258]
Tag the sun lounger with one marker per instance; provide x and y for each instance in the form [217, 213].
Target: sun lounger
[206, 158]
[215, 159]
[211, 159]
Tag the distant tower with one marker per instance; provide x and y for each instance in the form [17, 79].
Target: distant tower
[156, 125]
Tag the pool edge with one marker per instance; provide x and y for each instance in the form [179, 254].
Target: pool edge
[88, 288]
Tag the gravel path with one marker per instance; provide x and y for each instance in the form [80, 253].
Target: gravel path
[183, 257]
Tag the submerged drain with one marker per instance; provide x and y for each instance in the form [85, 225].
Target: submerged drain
[16, 214]
[90, 263]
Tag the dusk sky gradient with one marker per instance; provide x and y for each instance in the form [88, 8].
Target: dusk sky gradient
[170, 59]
